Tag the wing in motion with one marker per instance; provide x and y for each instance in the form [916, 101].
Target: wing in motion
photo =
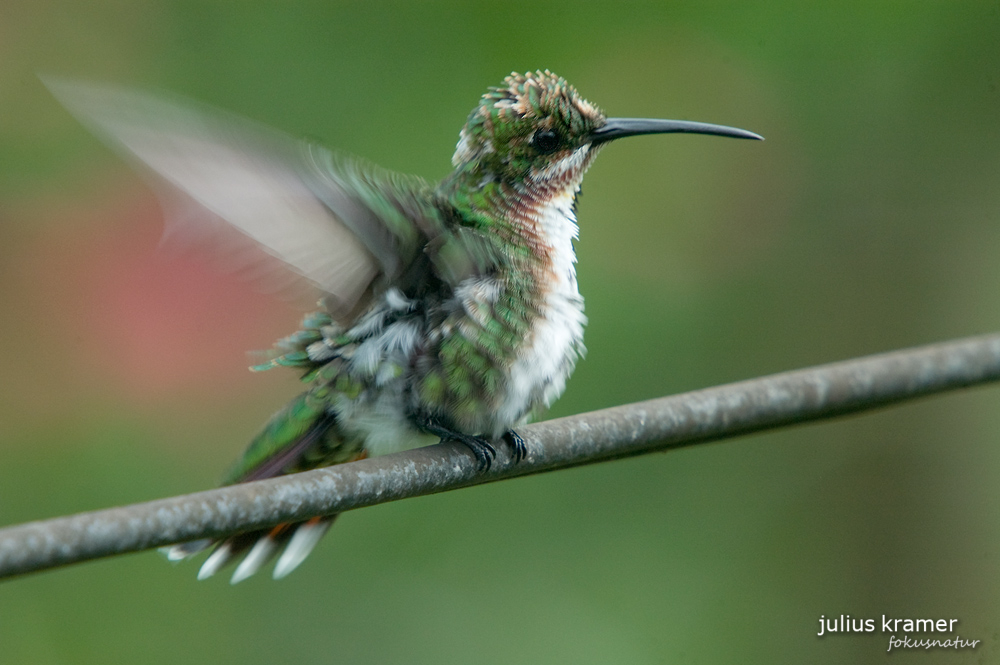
[284, 210]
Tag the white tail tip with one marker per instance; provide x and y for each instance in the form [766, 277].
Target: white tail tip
[299, 547]
[260, 554]
[181, 551]
[173, 553]
[219, 558]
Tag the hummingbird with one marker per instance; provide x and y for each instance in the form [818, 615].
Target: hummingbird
[448, 311]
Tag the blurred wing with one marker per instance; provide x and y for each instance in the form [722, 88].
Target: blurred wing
[265, 184]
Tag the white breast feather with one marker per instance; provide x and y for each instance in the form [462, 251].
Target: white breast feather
[539, 374]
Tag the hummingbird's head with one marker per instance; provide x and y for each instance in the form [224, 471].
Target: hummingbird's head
[534, 127]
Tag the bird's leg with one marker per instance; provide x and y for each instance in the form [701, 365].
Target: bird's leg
[480, 447]
[516, 444]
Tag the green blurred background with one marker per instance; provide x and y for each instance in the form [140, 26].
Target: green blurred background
[869, 220]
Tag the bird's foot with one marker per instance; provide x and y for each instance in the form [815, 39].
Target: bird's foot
[483, 450]
[516, 444]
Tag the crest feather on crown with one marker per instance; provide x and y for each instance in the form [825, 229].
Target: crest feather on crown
[535, 94]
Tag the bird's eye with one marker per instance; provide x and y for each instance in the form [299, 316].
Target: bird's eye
[545, 140]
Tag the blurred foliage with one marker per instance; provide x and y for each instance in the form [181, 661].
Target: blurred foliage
[868, 220]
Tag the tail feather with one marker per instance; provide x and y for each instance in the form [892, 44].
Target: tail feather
[216, 561]
[182, 551]
[263, 551]
[259, 547]
[221, 556]
[302, 543]
[302, 435]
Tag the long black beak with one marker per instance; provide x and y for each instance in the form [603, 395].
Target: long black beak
[617, 128]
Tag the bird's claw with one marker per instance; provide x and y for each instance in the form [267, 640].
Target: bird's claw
[516, 443]
[483, 450]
